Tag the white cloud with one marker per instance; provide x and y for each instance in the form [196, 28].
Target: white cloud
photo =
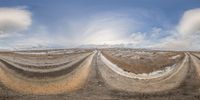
[190, 22]
[186, 36]
[14, 20]
[189, 30]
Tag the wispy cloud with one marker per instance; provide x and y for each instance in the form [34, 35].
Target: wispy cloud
[107, 28]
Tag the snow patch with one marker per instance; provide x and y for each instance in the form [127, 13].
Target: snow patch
[175, 57]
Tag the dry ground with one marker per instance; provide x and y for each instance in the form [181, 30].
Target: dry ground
[142, 61]
[97, 89]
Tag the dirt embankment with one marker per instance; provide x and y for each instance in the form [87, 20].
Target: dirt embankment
[66, 83]
[144, 63]
[152, 85]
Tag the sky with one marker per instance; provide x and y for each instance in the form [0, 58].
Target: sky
[159, 24]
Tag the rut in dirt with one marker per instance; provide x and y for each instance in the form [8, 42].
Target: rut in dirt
[189, 89]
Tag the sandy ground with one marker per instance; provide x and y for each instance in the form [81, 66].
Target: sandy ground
[96, 88]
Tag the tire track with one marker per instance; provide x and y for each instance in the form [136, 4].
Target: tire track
[120, 82]
[71, 82]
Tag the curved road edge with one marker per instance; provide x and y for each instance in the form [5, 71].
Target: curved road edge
[119, 82]
[75, 80]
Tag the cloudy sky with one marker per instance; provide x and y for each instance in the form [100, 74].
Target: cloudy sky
[160, 24]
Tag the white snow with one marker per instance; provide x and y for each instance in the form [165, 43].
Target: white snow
[174, 57]
[31, 52]
[135, 57]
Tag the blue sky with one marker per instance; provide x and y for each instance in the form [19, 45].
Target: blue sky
[70, 23]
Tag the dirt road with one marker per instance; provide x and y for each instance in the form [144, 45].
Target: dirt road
[97, 88]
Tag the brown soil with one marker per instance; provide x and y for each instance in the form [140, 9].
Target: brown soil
[96, 89]
[144, 64]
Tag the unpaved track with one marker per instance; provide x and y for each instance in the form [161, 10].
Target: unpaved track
[67, 83]
[119, 81]
[42, 73]
[97, 89]
[196, 60]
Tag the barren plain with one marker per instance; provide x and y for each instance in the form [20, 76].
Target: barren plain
[99, 74]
